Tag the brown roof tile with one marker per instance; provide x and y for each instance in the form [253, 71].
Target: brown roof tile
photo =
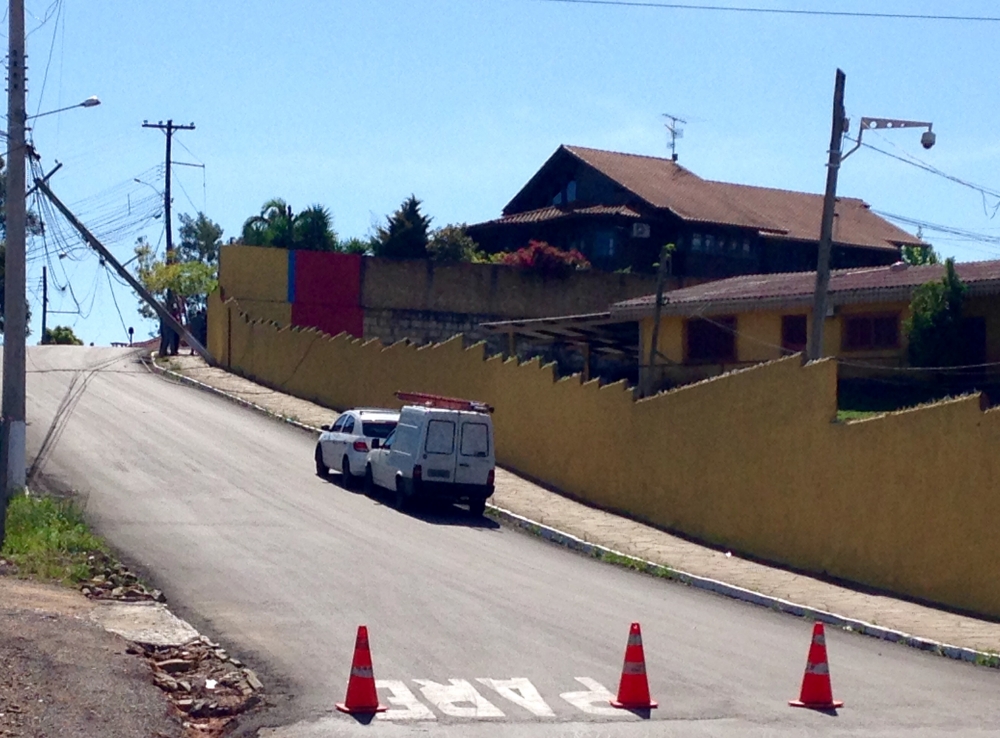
[557, 212]
[776, 213]
[767, 291]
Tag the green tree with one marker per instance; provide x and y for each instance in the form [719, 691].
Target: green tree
[201, 238]
[405, 234]
[61, 334]
[934, 327]
[453, 243]
[278, 226]
[355, 245]
[919, 255]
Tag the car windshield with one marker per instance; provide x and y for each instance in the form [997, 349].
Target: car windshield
[377, 428]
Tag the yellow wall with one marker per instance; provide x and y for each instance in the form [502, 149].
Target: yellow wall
[254, 273]
[752, 460]
[492, 289]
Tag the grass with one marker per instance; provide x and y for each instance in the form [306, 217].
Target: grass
[845, 415]
[47, 539]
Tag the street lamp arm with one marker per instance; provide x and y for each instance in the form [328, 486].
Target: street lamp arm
[876, 123]
[90, 102]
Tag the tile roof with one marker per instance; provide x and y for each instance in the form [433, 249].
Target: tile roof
[557, 212]
[769, 291]
[775, 213]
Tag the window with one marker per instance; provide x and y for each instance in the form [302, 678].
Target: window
[710, 243]
[389, 440]
[571, 191]
[712, 341]
[348, 425]
[557, 200]
[377, 428]
[746, 247]
[339, 425]
[475, 440]
[794, 335]
[696, 242]
[440, 437]
[868, 332]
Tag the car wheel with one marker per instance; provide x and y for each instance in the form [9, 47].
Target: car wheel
[401, 498]
[369, 481]
[322, 470]
[477, 507]
[345, 474]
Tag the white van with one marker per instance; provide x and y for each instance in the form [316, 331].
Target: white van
[442, 449]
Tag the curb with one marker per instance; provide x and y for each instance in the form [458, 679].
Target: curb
[609, 555]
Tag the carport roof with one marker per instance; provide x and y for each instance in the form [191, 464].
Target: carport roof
[602, 332]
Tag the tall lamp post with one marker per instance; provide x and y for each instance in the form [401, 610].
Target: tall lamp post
[12, 410]
[839, 129]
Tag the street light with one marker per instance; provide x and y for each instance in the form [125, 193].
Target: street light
[90, 102]
[840, 123]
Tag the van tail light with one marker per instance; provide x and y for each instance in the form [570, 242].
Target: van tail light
[360, 446]
[418, 473]
[491, 477]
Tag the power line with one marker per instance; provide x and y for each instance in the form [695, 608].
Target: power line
[783, 11]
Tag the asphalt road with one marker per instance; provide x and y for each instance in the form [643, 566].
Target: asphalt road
[221, 508]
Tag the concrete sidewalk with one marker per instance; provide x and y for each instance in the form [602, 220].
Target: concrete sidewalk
[619, 534]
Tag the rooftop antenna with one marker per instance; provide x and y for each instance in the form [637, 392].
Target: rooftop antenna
[675, 133]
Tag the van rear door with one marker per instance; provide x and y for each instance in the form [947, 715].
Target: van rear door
[475, 449]
[440, 446]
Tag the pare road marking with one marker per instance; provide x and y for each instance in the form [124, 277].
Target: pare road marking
[595, 701]
[522, 693]
[460, 699]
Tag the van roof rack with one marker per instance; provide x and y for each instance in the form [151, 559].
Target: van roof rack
[445, 403]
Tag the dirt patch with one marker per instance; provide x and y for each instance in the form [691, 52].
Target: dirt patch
[64, 676]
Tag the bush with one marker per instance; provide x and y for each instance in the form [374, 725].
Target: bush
[935, 326]
[452, 243]
[546, 260]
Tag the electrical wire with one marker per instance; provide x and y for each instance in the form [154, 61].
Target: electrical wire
[48, 62]
[784, 11]
[114, 299]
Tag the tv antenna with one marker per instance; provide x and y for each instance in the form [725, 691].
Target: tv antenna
[676, 132]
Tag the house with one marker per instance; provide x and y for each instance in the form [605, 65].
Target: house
[620, 209]
[718, 326]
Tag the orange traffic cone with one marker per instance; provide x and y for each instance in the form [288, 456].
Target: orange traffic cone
[361, 694]
[633, 690]
[816, 690]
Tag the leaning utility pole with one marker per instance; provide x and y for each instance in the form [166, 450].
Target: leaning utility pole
[101, 249]
[169, 129]
[815, 347]
[12, 423]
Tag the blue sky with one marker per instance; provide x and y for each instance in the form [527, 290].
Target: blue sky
[356, 104]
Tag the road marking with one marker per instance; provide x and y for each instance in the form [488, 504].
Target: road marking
[595, 701]
[449, 699]
[522, 693]
[408, 707]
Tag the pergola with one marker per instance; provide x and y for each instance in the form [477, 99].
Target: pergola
[591, 333]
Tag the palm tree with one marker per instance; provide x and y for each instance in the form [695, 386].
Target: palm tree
[277, 226]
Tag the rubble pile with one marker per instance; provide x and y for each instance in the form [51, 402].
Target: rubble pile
[207, 686]
[115, 582]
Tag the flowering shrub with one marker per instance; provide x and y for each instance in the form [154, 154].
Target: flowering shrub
[545, 259]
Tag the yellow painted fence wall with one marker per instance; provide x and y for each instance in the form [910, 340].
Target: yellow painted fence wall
[752, 460]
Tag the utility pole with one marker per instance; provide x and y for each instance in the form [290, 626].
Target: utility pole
[45, 302]
[815, 347]
[12, 424]
[654, 341]
[100, 248]
[168, 128]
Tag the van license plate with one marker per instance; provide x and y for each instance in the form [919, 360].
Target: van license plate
[438, 473]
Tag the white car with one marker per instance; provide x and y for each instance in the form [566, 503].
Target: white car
[441, 449]
[344, 446]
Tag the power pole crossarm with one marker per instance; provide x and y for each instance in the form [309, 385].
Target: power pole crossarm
[161, 311]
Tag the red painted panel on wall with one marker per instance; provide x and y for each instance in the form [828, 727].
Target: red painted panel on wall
[327, 279]
[332, 319]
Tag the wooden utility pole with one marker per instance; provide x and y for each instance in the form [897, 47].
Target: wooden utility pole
[654, 348]
[168, 128]
[45, 303]
[12, 423]
[815, 346]
[92, 241]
